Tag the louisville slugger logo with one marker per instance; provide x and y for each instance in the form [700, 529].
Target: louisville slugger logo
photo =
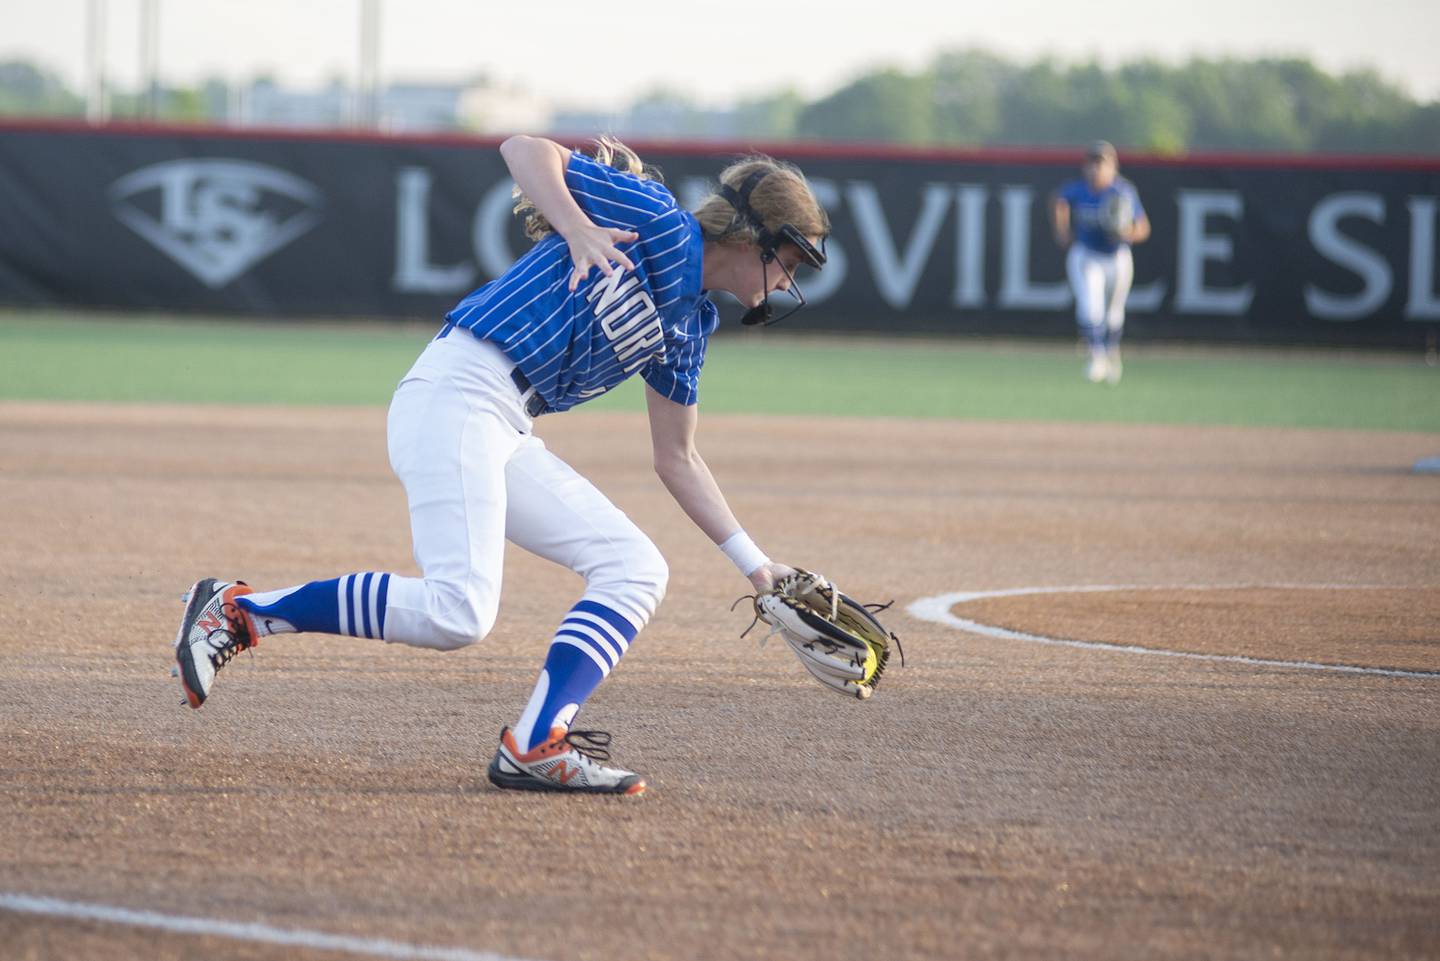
[215, 218]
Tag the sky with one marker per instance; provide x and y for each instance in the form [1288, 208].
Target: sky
[598, 54]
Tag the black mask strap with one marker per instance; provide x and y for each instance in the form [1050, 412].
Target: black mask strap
[769, 243]
[740, 200]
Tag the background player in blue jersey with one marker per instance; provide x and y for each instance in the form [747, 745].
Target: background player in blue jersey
[616, 285]
[1098, 216]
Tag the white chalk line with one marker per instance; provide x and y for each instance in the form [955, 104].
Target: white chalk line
[241, 931]
[936, 609]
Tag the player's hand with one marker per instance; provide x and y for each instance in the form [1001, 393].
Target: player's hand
[595, 246]
[764, 577]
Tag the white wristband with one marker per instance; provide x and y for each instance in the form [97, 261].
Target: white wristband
[743, 553]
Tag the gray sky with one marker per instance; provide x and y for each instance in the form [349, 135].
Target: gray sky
[596, 53]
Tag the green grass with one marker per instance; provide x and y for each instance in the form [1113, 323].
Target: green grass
[59, 356]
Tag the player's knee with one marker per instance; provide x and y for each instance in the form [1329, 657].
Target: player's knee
[646, 577]
[651, 575]
[636, 575]
[459, 616]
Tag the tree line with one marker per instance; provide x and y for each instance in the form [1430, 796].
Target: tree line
[973, 98]
[976, 98]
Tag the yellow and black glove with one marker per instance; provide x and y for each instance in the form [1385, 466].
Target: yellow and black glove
[837, 639]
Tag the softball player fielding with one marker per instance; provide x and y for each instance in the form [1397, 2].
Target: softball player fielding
[617, 284]
[1098, 216]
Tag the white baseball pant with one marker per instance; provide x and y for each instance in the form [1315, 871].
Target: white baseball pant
[1101, 283]
[461, 443]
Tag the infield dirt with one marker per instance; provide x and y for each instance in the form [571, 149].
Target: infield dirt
[995, 799]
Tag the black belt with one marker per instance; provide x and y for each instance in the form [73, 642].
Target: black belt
[535, 404]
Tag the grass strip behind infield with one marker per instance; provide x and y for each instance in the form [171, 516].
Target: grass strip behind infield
[62, 356]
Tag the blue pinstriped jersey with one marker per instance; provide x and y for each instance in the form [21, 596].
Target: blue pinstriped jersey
[1087, 207]
[654, 320]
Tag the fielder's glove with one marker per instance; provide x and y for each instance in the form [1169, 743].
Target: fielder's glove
[1117, 217]
[837, 639]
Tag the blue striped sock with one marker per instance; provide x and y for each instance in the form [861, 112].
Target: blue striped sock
[1096, 335]
[353, 604]
[589, 643]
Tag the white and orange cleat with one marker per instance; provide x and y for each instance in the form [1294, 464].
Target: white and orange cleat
[1113, 366]
[213, 630]
[567, 761]
[1099, 367]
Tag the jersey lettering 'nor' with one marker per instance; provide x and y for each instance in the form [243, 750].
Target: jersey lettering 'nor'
[652, 320]
[633, 325]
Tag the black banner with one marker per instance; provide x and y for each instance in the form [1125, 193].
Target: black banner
[1244, 248]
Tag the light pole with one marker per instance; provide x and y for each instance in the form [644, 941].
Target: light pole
[150, 56]
[97, 95]
[367, 93]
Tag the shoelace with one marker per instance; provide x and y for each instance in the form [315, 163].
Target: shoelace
[235, 641]
[592, 744]
[222, 655]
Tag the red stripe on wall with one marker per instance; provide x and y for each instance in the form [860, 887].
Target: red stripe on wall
[796, 150]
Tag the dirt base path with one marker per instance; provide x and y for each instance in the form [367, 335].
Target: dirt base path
[996, 799]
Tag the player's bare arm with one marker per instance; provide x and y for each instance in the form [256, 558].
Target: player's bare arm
[538, 166]
[685, 475]
[1060, 220]
[1139, 231]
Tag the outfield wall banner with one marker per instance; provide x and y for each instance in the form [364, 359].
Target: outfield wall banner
[1295, 250]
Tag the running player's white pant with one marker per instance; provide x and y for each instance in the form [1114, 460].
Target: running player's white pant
[475, 476]
[1101, 282]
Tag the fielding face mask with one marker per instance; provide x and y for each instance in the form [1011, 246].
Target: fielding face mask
[769, 242]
